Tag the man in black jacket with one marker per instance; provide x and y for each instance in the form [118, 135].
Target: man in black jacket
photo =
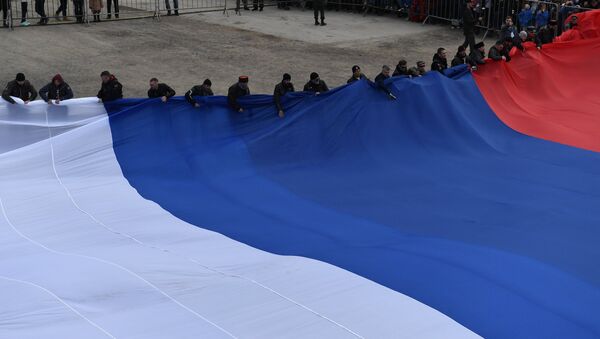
[237, 90]
[546, 34]
[469, 26]
[160, 90]
[496, 53]
[381, 78]
[401, 68]
[111, 88]
[356, 74]
[19, 88]
[57, 90]
[203, 90]
[460, 57]
[476, 57]
[285, 86]
[440, 63]
[315, 84]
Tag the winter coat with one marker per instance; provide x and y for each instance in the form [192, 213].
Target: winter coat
[353, 79]
[111, 90]
[235, 92]
[439, 64]
[320, 87]
[281, 89]
[96, 5]
[24, 92]
[198, 91]
[53, 92]
[163, 90]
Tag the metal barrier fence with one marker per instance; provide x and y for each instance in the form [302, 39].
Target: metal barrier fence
[41, 12]
[490, 14]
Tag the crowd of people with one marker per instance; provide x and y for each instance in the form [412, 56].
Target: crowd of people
[58, 90]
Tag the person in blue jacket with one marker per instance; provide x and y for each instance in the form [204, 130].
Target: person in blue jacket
[525, 17]
[542, 17]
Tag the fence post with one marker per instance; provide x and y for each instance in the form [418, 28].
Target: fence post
[156, 10]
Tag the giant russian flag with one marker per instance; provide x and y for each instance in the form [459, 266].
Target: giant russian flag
[468, 207]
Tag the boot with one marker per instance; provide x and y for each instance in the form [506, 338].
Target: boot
[66, 18]
[176, 12]
[260, 9]
[108, 16]
[316, 22]
[323, 22]
[169, 12]
[116, 15]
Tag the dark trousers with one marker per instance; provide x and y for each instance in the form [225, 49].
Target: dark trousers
[237, 4]
[259, 4]
[62, 8]
[319, 8]
[4, 9]
[175, 4]
[78, 9]
[469, 41]
[23, 11]
[40, 8]
[109, 5]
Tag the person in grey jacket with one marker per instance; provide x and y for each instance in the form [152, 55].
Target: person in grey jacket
[19, 88]
[57, 90]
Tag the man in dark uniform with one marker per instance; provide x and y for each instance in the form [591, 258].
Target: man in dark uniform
[57, 90]
[159, 90]
[237, 90]
[496, 53]
[285, 86]
[203, 90]
[111, 88]
[469, 26]
[315, 84]
[440, 63]
[381, 78]
[476, 57]
[319, 8]
[401, 68]
[356, 74]
[19, 88]
[460, 57]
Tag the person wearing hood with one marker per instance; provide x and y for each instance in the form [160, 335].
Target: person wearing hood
[111, 89]
[56, 91]
[203, 90]
[160, 90]
[356, 74]
[440, 63]
[401, 68]
[236, 91]
[461, 56]
[19, 88]
[281, 89]
[477, 56]
[315, 84]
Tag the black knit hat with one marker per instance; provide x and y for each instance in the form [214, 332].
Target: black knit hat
[207, 82]
[479, 44]
[105, 73]
[243, 78]
[20, 77]
[313, 75]
[287, 77]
